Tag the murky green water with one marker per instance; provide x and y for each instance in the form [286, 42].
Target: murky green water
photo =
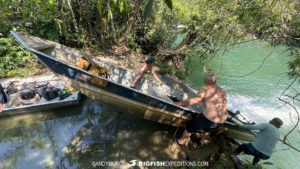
[75, 137]
[78, 136]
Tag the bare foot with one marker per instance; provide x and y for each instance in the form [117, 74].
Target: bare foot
[179, 142]
[132, 86]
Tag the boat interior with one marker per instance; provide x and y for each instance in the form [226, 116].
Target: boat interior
[13, 87]
[172, 89]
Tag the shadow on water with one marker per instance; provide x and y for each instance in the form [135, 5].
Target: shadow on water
[26, 133]
[74, 137]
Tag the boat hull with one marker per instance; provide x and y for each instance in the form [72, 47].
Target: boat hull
[123, 98]
[40, 107]
[124, 104]
[116, 92]
[14, 108]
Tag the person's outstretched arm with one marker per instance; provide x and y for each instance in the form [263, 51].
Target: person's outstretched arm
[156, 77]
[194, 100]
[259, 127]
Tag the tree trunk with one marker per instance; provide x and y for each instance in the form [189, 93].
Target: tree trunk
[131, 19]
[90, 28]
[175, 57]
[73, 16]
[190, 42]
[112, 26]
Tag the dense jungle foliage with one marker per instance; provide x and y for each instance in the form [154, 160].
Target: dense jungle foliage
[151, 26]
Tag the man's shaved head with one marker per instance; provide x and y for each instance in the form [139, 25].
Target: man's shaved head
[210, 79]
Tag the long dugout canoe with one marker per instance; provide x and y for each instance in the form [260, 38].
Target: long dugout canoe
[149, 100]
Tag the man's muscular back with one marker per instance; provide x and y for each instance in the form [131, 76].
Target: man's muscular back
[214, 103]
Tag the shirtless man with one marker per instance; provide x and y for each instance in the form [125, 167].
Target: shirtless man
[144, 68]
[214, 108]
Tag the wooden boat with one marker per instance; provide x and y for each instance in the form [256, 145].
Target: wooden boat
[14, 105]
[149, 100]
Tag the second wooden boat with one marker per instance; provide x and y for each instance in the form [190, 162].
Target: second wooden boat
[38, 103]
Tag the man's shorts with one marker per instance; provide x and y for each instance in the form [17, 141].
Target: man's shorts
[251, 150]
[201, 123]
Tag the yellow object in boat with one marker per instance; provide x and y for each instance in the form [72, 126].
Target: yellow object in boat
[70, 89]
[16, 83]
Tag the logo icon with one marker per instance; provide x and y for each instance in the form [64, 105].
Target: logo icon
[132, 163]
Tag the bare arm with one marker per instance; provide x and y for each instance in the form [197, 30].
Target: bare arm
[139, 75]
[194, 100]
[156, 77]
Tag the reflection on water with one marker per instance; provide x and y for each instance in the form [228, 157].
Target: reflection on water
[74, 137]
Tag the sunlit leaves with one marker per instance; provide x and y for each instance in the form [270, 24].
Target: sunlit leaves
[99, 7]
[109, 14]
[44, 7]
[59, 22]
[52, 5]
[12, 56]
[121, 5]
[206, 22]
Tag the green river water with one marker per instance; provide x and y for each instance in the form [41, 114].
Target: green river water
[76, 137]
[256, 95]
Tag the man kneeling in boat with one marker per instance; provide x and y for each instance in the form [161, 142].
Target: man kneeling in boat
[214, 109]
[264, 144]
[144, 68]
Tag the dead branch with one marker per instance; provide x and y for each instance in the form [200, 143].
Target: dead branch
[296, 77]
[285, 138]
[290, 145]
[260, 66]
